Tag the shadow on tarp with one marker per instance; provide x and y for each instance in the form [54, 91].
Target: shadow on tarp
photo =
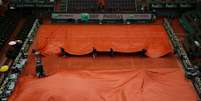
[124, 77]
[121, 78]
[80, 40]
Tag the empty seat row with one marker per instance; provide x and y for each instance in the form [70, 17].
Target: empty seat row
[7, 26]
[29, 1]
[121, 5]
[22, 35]
[82, 6]
[192, 24]
[91, 6]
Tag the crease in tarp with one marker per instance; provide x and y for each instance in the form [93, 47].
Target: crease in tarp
[85, 79]
[146, 79]
[120, 78]
[112, 85]
[80, 40]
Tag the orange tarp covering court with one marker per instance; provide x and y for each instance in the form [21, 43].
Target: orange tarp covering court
[81, 39]
[124, 77]
[121, 78]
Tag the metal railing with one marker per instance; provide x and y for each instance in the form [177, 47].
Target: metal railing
[178, 47]
[191, 72]
[10, 80]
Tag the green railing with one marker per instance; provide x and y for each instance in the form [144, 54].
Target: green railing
[186, 25]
